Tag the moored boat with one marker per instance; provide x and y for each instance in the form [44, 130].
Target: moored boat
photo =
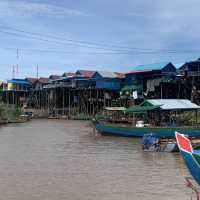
[150, 142]
[128, 131]
[190, 156]
[159, 116]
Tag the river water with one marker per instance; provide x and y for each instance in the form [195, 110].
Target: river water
[63, 160]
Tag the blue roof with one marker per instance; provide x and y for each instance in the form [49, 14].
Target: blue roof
[19, 81]
[152, 66]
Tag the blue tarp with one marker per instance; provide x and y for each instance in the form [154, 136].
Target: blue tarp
[19, 81]
[108, 84]
[149, 139]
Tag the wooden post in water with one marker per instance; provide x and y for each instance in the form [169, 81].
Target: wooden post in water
[69, 109]
[63, 102]
[13, 97]
[191, 186]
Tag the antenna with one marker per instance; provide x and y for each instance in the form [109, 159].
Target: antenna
[37, 71]
[17, 66]
[13, 71]
[17, 54]
[17, 70]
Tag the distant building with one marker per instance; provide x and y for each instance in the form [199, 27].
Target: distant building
[190, 72]
[190, 69]
[32, 81]
[41, 82]
[144, 79]
[107, 80]
[149, 71]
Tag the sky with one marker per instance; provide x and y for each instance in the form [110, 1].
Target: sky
[115, 35]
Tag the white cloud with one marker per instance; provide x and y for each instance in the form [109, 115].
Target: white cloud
[22, 8]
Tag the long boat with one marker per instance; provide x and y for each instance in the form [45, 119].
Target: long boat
[190, 156]
[192, 160]
[162, 132]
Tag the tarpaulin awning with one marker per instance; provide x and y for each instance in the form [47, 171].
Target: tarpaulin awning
[141, 109]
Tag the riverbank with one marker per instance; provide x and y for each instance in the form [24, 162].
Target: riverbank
[11, 114]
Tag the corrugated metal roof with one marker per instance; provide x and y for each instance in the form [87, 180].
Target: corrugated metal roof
[150, 67]
[173, 104]
[107, 74]
[115, 108]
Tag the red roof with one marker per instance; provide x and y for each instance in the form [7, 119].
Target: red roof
[86, 73]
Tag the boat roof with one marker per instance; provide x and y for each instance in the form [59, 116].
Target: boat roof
[163, 104]
[173, 104]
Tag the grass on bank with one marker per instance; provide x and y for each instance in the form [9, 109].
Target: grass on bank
[9, 112]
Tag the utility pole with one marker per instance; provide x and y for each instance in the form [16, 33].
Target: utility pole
[17, 66]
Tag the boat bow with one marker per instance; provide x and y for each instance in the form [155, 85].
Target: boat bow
[190, 156]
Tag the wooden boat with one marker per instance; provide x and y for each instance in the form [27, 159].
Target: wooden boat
[190, 156]
[128, 131]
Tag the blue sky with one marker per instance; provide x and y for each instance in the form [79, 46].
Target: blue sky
[133, 32]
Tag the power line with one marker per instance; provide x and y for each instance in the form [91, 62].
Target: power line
[55, 42]
[96, 53]
[80, 43]
[106, 50]
[74, 41]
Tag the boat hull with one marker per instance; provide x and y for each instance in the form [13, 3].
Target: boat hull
[162, 132]
[190, 156]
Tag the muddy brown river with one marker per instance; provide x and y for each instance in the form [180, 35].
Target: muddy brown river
[63, 160]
